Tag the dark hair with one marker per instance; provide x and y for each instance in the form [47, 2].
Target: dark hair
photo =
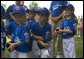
[72, 16]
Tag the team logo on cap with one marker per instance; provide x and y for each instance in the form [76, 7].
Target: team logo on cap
[17, 8]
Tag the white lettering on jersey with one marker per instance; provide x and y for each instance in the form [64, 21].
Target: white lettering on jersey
[56, 6]
[27, 37]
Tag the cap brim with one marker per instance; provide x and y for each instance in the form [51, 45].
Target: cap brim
[18, 13]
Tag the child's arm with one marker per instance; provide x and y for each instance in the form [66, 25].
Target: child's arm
[46, 45]
[13, 45]
[55, 19]
[40, 40]
[38, 37]
[65, 31]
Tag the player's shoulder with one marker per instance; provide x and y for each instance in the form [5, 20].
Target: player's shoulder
[35, 23]
[12, 23]
[71, 21]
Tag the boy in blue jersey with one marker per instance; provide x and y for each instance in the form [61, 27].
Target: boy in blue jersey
[22, 43]
[31, 22]
[56, 15]
[42, 32]
[3, 33]
[68, 31]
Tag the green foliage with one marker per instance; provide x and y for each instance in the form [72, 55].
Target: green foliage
[7, 54]
[34, 5]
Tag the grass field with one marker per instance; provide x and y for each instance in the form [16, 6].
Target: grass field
[79, 48]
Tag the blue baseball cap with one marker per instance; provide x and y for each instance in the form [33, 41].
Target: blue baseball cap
[32, 10]
[70, 6]
[19, 10]
[44, 11]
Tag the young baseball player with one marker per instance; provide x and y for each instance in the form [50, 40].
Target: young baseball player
[3, 33]
[42, 32]
[68, 31]
[22, 43]
[32, 21]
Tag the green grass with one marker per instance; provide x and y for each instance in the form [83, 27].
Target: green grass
[79, 49]
[7, 54]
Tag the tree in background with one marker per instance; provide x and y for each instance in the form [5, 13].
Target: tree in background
[34, 5]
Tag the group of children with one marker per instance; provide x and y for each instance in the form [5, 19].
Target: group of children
[30, 38]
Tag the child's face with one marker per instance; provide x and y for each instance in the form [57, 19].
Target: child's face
[31, 15]
[42, 18]
[19, 18]
[68, 11]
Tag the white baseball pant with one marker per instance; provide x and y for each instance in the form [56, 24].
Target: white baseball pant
[44, 53]
[69, 47]
[50, 49]
[35, 50]
[17, 54]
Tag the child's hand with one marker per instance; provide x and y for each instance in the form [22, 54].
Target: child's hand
[54, 33]
[50, 17]
[11, 47]
[46, 45]
[60, 31]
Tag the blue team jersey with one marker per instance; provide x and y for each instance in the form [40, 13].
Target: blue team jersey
[69, 24]
[44, 32]
[3, 37]
[56, 7]
[22, 34]
[11, 28]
